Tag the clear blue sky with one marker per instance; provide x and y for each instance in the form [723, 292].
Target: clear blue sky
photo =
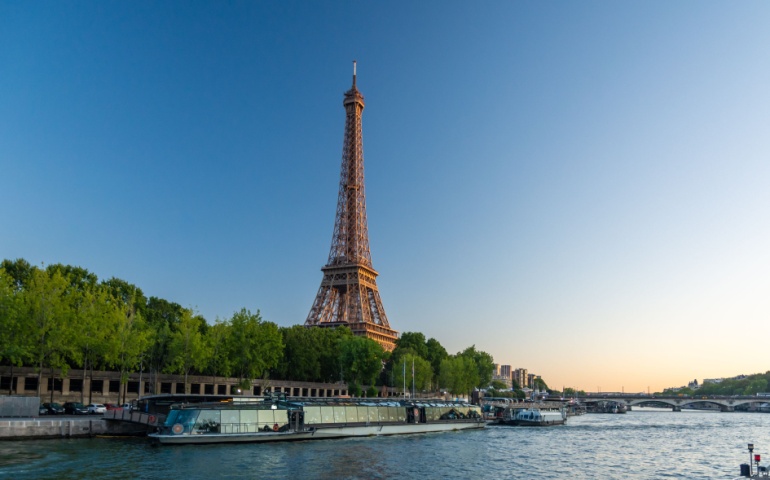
[578, 188]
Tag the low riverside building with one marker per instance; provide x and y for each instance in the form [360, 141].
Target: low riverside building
[105, 386]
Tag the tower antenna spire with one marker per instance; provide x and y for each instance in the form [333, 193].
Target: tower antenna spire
[354, 73]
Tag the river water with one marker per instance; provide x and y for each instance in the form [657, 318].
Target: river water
[637, 445]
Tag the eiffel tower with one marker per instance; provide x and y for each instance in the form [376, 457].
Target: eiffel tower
[348, 293]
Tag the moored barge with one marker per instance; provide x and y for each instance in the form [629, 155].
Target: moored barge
[278, 419]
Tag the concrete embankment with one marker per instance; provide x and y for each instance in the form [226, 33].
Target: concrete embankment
[35, 428]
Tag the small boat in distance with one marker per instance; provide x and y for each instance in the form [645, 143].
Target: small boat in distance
[542, 414]
[274, 419]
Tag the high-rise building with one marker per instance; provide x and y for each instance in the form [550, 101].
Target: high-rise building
[520, 377]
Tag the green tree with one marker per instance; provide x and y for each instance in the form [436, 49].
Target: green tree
[163, 319]
[87, 302]
[127, 294]
[484, 365]
[92, 306]
[188, 350]
[48, 308]
[217, 339]
[20, 271]
[540, 384]
[411, 342]
[327, 341]
[15, 341]
[436, 354]
[255, 346]
[498, 385]
[459, 374]
[128, 337]
[402, 371]
[79, 279]
[361, 359]
[301, 358]
[757, 384]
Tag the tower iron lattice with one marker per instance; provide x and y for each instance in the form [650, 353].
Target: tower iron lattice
[348, 294]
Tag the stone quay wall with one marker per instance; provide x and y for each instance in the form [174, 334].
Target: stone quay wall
[34, 428]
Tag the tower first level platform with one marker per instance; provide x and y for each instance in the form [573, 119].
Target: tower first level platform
[348, 296]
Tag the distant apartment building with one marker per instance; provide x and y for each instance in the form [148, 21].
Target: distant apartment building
[498, 373]
[520, 377]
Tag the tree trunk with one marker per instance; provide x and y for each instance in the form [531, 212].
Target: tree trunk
[39, 377]
[83, 385]
[121, 379]
[53, 385]
[90, 383]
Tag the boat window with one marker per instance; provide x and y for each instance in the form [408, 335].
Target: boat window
[281, 417]
[340, 415]
[171, 419]
[208, 421]
[327, 414]
[231, 421]
[249, 421]
[312, 414]
[361, 414]
[352, 413]
[374, 414]
[400, 414]
[266, 419]
[187, 419]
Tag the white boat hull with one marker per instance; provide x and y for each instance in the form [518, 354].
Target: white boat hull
[318, 433]
[397, 429]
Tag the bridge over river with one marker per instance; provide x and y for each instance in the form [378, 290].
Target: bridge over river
[724, 403]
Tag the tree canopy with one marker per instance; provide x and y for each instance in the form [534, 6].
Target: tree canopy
[59, 317]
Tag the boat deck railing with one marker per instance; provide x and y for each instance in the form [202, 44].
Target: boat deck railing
[236, 428]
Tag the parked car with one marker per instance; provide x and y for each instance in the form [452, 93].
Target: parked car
[128, 406]
[43, 410]
[75, 408]
[112, 406]
[96, 408]
[53, 408]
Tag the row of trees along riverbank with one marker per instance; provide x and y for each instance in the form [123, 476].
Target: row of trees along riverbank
[61, 317]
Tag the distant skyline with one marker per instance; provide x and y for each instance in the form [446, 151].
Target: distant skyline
[579, 189]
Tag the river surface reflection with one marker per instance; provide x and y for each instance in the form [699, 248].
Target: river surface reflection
[637, 445]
